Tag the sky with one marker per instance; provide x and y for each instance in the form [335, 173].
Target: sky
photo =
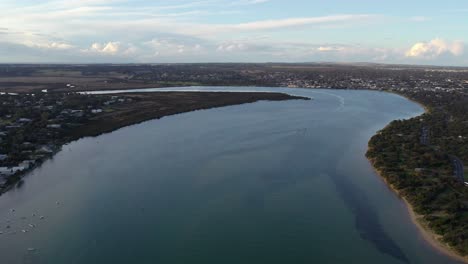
[180, 31]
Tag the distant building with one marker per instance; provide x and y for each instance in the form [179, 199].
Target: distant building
[54, 126]
[76, 113]
[26, 164]
[24, 120]
[45, 149]
[8, 171]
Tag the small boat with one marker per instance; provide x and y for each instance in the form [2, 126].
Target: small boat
[31, 249]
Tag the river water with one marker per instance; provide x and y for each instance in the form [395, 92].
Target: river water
[268, 182]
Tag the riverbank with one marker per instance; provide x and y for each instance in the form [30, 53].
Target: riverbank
[429, 235]
[426, 108]
[137, 108]
[155, 105]
[418, 220]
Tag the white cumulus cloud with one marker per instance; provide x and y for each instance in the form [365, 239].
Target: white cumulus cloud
[110, 48]
[435, 48]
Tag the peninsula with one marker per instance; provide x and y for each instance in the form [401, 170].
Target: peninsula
[33, 126]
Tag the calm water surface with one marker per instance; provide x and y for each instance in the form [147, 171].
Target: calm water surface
[268, 182]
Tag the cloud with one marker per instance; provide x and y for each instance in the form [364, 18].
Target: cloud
[293, 22]
[172, 46]
[435, 48]
[204, 30]
[330, 48]
[255, 44]
[249, 2]
[109, 48]
[49, 45]
[232, 46]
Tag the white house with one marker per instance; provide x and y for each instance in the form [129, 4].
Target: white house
[54, 126]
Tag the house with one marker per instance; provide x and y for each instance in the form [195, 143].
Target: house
[3, 157]
[96, 111]
[70, 112]
[24, 120]
[45, 149]
[65, 112]
[76, 113]
[54, 126]
[8, 171]
[26, 164]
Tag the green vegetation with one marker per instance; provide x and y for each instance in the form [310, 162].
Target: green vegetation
[422, 171]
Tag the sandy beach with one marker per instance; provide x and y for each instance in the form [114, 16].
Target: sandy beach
[433, 239]
[427, 234]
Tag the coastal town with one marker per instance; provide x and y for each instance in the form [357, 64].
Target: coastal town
[73, 78]
[34, 126]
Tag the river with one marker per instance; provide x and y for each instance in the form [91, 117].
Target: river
[268, 182]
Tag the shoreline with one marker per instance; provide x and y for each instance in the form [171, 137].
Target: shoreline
[426, 108]
[426, 233]
[429, 236]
